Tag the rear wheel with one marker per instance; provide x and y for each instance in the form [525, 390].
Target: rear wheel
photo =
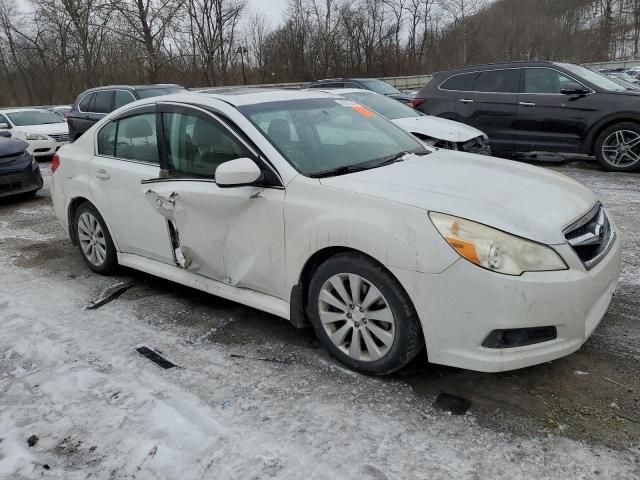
[362, 315]
[94, 240]
[617, 148]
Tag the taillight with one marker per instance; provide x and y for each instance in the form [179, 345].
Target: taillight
[417, 102]
[55, 163]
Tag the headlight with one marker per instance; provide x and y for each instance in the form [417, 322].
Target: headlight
[35, 136]
[495, 250]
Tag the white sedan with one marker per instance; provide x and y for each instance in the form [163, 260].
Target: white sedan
[434, 131]
[320, 211]
[43, 130]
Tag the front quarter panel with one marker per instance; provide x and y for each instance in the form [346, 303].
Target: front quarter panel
[394, 234]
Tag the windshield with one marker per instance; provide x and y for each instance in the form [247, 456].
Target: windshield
[595, 78]
[379, 86]
[157, 92]
[33, 117]
[385, 106]
[322, 134]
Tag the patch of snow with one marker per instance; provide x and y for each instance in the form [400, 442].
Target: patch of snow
[72, 377]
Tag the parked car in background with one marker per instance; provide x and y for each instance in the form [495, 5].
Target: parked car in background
[93, 104]
[624, 83]
[316, 209]
[43, 130]
[19, 172]
[625, 77]
[373, 84]
[434, 131]
[541, 107]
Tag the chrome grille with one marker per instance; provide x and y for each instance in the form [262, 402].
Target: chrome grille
[60, 137]
[591, 237]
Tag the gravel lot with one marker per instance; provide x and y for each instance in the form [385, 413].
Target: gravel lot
[256, 398]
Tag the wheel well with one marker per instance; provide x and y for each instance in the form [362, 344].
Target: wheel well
[603, 127]
[299, 292]
[71, 214]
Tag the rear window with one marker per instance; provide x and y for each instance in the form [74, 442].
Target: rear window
[461, 83]
[498, 81]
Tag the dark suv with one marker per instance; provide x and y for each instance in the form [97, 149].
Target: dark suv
[95, 103]
[372, 84]
[541, 107]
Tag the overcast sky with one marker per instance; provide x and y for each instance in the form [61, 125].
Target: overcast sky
[272, 9]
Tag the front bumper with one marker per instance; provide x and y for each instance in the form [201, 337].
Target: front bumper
[19, 175]
[44, 148]
[459, 307]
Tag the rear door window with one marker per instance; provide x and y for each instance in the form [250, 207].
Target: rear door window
[136, 138]
[103, 101]
[85, 104]
[122, 97]
[498, 81]
[460, 83]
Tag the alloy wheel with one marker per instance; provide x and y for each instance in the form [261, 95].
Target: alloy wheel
[622, 148]
[92, 239]
[356, 317]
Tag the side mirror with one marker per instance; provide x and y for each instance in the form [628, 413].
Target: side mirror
[238, 172]
[573, 88]
[4, 126]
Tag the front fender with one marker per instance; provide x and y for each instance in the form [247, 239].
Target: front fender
[396, 235]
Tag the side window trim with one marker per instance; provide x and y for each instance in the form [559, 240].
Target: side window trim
[568, 75]
[187, 109]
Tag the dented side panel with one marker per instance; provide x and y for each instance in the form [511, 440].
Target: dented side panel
[233, 235]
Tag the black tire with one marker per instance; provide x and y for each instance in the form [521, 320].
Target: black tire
[408, 340]
[110, 262]
[628, 127]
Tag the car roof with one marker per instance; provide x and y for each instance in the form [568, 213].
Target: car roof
[489, 66]
[346, 79]
[25, 109]
[250, 96]
[342, 91]
[133, 87]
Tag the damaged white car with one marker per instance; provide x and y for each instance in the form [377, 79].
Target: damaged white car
[434, 131]
[319, 210]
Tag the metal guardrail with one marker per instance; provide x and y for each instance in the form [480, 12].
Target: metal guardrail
[412, 82]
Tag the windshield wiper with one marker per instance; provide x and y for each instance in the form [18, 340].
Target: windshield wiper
[358, 167]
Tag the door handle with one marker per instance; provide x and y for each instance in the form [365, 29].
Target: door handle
[466, 100]
[527, 104]
[102, 174]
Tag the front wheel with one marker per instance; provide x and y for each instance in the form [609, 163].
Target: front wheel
[363, 316]
[617, 148]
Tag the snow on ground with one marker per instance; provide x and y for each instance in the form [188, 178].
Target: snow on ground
[71, 377]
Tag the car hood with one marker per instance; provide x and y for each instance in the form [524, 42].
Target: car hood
[46, 129]
[439, 128]
[527, 201]
[11, 147]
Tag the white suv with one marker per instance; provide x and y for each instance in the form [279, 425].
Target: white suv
[316, 209]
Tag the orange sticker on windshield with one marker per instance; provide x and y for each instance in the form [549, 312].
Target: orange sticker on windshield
[363, 111]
